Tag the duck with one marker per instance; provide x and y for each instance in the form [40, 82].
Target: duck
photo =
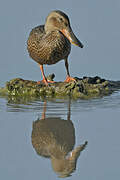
[54, 138]
[50, 43]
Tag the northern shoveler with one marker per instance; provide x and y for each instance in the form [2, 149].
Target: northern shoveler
[50, 43]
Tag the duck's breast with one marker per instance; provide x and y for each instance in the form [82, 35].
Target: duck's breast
[48, 48]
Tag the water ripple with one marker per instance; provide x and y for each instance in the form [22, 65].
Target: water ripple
[56, 106]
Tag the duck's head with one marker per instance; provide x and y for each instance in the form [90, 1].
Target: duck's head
[57, 20]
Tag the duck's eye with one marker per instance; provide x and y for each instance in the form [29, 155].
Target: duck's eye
[61, 19]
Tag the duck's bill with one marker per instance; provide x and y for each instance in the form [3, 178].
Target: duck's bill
[72, 38]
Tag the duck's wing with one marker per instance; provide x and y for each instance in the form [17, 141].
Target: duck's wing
[47, 48]
[34, 39]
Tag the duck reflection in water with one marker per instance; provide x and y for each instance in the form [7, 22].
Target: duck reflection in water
[54, 138]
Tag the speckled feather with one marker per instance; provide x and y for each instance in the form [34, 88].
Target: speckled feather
[47, 48]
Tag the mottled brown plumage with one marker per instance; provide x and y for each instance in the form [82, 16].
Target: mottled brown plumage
[50, 43]
[48, 48]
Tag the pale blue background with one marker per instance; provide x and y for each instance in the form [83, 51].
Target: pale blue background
[97, 24]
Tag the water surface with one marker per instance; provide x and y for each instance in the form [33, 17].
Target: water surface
[69, 122]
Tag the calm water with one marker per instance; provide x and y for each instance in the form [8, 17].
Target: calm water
[62, 125]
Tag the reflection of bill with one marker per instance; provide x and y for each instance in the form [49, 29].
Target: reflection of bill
[54, 138]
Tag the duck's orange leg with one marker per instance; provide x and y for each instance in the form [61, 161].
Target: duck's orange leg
[45, 81]
[68, 78]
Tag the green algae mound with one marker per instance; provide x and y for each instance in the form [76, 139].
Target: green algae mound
[85, 88]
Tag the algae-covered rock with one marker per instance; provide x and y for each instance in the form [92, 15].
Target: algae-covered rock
[86, 87]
